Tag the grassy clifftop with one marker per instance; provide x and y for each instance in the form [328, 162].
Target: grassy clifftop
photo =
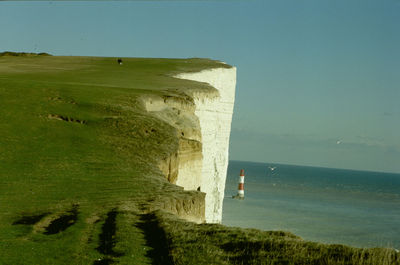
[78, 146]
[79, 175]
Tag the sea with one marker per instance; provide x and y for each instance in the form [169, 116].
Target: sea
[335, 206]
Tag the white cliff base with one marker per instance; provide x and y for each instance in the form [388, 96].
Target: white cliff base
[215, 117]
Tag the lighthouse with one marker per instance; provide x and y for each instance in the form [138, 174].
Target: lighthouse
[240, 194]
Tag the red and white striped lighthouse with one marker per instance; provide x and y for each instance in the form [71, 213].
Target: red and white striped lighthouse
[240, 194]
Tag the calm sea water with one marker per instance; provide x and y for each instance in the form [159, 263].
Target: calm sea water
[356, 208]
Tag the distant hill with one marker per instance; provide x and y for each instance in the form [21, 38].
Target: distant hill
[24, 54]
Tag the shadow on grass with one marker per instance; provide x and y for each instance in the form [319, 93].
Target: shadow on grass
[156, 239]
[107, 240]
[107, 237]
[30, 219]
[62, 222]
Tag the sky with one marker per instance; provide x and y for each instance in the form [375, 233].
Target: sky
[318, 80]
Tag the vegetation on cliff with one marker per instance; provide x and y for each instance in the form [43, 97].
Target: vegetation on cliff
[79, 175]
[189, 243]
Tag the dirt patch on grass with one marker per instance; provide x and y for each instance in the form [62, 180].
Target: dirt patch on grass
[59, 99]
[64, 118]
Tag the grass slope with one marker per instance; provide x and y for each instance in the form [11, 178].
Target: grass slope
[74, 137]
[189, 243]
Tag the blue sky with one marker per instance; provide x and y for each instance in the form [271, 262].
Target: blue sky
[310, 73]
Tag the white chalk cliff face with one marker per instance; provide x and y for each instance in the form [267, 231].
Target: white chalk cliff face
[215, 117]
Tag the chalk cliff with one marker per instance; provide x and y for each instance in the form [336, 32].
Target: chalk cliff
[202, 119]
[215, 117]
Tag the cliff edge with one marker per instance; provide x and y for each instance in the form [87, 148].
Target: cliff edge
[215, 117]
[204, 122]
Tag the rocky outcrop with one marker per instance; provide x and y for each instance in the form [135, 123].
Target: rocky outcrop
[183, 166]
[188, 205]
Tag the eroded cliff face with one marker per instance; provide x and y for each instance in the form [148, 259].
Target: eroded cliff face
[203, 123]
[215, 117]
[182, 167]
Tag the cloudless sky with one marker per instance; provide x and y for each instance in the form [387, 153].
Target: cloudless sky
[318, 80]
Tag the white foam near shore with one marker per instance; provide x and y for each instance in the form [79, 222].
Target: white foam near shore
[215, 117]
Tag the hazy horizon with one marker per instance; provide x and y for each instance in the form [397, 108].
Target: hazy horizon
[269, 163]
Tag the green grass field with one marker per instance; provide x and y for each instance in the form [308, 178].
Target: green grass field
[79, 173]
[74, 134]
